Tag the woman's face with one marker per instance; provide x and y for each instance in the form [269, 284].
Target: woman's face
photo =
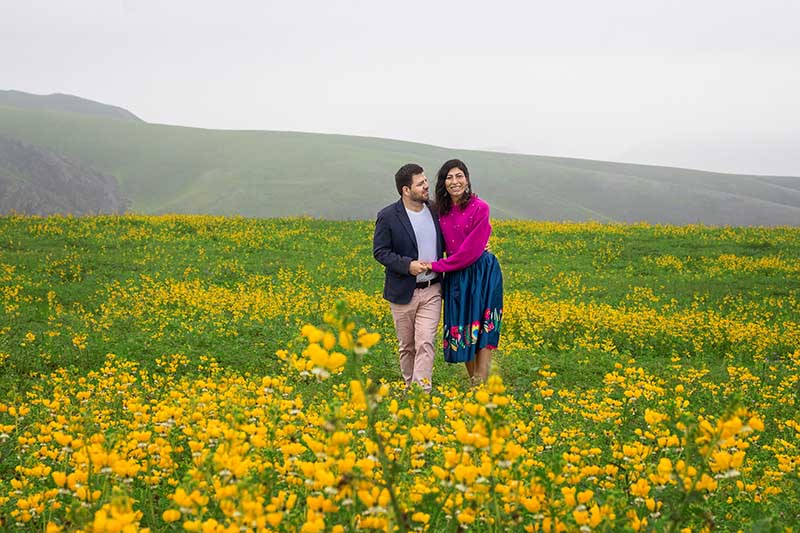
[456, 184]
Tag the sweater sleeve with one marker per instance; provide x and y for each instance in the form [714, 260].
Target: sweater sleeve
[473, 245]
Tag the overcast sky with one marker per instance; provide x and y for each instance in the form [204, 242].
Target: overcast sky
[708, 84]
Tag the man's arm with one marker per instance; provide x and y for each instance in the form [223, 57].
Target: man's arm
[382, 248]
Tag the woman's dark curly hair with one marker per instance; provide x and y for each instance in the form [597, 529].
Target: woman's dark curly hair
[443, 202]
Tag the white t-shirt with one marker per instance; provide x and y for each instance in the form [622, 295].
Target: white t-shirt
[425, 232]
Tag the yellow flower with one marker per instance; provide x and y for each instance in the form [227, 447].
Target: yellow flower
[336, 361]
[312, 333]
[641, 488]
[323, 360]
[569, 496]
[595, 515]
[346, 340]
[313, 526]
[62, 439]
[60, 478]
[706, 483]
[653, 417]
[79, 341]
[635, 522]
[209, 526]
[482, 396]
[533, 505]
[581, 516]
[467, 516]
[421, 517]
[328, 340]
[584, 496]
[664, 467]
[756, 423]
[368, 498]
[171, 515]
[385, 498]
[652, 505]
[357, 394]
[317, 354]
[368, 340]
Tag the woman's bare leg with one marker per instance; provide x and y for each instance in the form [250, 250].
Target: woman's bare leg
[483, 364]
[470, 369]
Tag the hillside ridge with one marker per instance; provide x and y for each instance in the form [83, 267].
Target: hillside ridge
[65, 103]
[164, 168]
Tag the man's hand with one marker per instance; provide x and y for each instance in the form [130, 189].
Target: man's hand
[416, 267]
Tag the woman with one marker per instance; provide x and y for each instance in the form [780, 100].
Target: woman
[473, 283]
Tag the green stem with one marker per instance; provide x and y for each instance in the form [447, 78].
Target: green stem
[388, 481]
[492, 478]
[435, 516]
[677, 518]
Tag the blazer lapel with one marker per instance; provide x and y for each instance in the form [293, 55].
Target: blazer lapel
[406, 222]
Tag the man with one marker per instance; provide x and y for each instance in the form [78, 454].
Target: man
[407, 239]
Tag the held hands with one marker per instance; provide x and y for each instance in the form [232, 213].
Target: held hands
[418, 267]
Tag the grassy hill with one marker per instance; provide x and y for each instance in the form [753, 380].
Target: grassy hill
[165, 168]
[64, 103]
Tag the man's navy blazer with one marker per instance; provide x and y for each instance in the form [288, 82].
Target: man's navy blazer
[395, 246]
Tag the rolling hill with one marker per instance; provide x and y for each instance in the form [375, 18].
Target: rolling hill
[64, 103]
[164, 168]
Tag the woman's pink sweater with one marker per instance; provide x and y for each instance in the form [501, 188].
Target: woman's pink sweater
[466, 231]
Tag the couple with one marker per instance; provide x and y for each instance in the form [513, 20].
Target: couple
[410, 239]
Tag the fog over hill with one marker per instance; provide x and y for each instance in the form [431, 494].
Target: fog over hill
[164, 168]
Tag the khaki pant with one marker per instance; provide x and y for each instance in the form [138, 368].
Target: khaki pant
[416, 324]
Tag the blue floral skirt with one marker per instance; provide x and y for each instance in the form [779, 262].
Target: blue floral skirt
[473, 309]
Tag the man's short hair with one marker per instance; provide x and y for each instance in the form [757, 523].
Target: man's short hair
[404, 176]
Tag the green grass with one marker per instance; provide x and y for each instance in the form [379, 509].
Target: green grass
[79, 261]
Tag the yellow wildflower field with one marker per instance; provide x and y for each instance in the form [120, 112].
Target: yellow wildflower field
[195, 373]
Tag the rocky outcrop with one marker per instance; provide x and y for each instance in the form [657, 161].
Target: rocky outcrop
[38, 181]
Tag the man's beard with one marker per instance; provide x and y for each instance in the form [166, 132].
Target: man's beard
[419, 198]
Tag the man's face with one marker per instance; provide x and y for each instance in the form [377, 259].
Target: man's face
[419, 188]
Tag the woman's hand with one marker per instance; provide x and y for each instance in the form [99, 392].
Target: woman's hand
[417, 267]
